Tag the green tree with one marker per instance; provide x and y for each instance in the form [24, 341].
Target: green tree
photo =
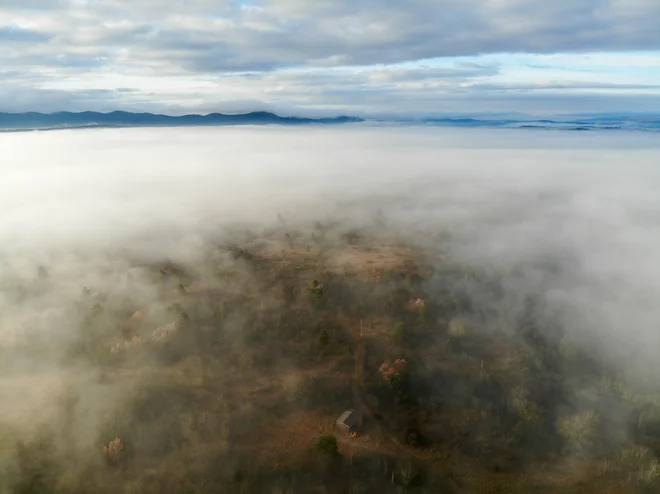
[324, 338]
[399, 333]
[328, 445]
[580, 430]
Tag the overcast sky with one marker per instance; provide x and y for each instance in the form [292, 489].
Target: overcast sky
[330, 56]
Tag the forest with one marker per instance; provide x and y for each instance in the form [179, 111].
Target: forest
[226, 373]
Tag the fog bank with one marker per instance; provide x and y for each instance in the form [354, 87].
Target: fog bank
[585, 201]
[569, 220]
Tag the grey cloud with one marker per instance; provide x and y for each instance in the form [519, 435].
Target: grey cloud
[425, 29]
[22, 77]
[30, 5]
[15, 34]
[560, 85]
[430, 102]
[21, 98]
[363, 79]
[348, 45]
[287, 33]
[465, 72]
[116, 36]
[334, 92]
[59, 60]
[566, 68]
[441, 90]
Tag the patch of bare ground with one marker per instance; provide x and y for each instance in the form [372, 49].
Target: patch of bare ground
[363, 442]
[340, 258]
[377, 257]
[299, 431]
[294, 433]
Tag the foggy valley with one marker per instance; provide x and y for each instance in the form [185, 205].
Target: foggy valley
[191, 310]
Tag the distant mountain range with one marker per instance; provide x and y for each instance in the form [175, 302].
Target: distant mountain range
[10, 122]
[36, 121]
[595, 122]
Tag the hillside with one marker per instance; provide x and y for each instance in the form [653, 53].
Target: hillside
[11, 122]
[33, 120]
[229, 375]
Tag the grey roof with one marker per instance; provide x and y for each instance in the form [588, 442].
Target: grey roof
[349, 418]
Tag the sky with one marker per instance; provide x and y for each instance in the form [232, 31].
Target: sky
[323, 57]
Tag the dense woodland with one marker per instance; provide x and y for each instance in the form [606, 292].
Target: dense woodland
[227, 374]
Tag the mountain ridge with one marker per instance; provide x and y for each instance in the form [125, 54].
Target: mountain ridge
[17, 122]
[87, 119]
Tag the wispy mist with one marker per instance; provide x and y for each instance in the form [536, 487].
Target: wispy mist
[570, 221]
[585, 203]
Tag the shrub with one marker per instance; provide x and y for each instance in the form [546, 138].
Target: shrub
[407, 475]
[328, 445]
[636, 456]
[526, 409]
[302, 390]
[316, 288]
[400, 334]
[324, 338]
[457, 328]
[579, 430]
[114, 450]
[650, 476]
[36, 468]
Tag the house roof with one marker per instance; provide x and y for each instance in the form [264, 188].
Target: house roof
[349, 417]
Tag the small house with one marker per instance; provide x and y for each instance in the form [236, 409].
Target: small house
[348, 421]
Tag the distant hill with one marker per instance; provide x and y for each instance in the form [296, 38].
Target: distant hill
[594, 122]
[12, 122]
[33, 120]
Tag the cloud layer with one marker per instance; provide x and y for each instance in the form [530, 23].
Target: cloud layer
[81, 45]
[586, 205]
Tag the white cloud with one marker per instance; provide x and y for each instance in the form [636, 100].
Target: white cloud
[77, 43]
[504, 197]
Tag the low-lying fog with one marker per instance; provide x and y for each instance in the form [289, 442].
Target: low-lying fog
[585, 204]
[590, 200]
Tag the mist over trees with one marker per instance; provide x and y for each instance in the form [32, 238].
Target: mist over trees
[191, 311]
